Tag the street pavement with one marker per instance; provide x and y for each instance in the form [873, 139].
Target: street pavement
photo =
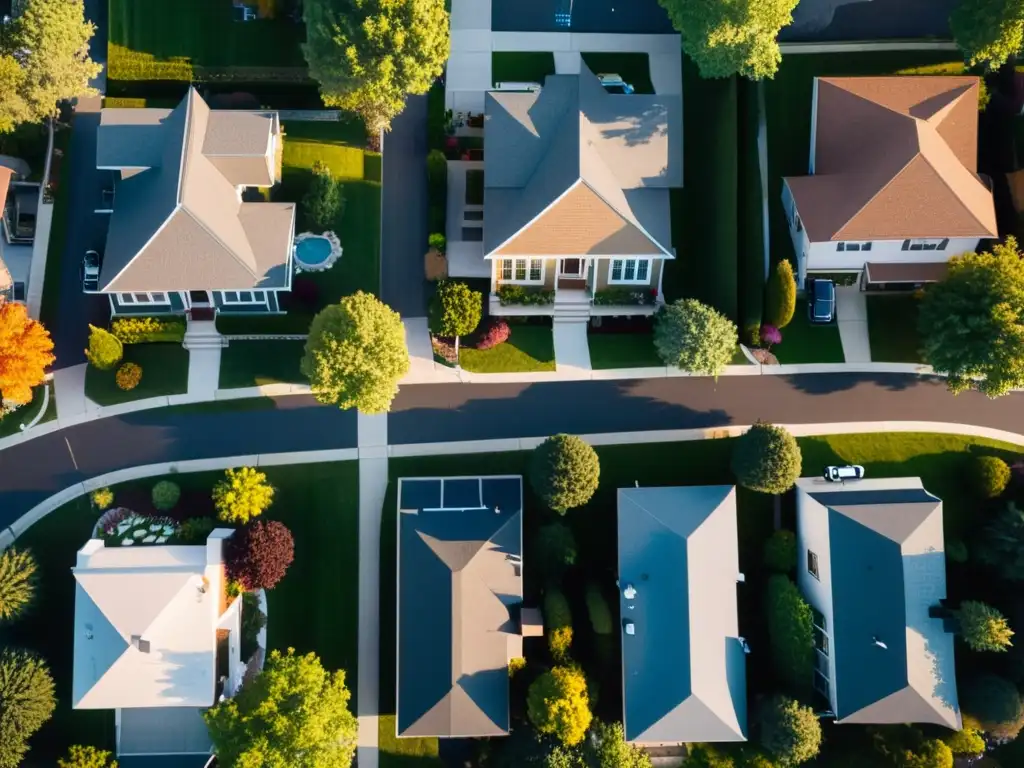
[38, 468]
[404, 211]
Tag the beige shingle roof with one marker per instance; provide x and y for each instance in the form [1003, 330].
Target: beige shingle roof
[895, 158]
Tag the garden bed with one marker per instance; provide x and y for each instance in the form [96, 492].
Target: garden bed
[257, 363]
[892, 329]
[164, 372]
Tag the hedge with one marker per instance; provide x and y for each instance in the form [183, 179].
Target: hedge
[556, 610]
[125, 64]
[790, 633]
[138, 330]
[597, 607]
[751, 257]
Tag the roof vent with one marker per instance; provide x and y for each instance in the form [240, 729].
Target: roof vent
[629, 592]
[744, 645]
[629, 627]
[741, 578]
[88, 631]
[138, 642]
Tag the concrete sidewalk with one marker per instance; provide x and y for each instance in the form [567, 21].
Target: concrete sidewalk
[572, 350]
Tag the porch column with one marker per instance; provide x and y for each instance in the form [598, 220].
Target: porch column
[494, 275]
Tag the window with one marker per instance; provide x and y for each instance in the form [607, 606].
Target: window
[821, 685]
[812, 564]
[244, 297]
[522, 270]
[853, 246]
[160, 298]
[818, 618]
[924, 244]
[142, 298]
[630, 271]
[821, 640]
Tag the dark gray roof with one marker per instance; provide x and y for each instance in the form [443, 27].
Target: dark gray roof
[459, 591]
[539, 144]
[683, 669]
[163, 761]
[179, 224]
[887, 567]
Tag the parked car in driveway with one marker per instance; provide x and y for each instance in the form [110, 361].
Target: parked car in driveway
[614, 83]
[848, 472]
[821, 302]
[90, 271]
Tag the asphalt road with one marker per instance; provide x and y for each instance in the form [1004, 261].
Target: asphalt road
[404, 211]
[41, 467]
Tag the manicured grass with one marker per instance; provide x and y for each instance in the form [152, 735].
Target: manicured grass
[338, 144]
[529, 348]
[521, 66]
[164, 372]
[788, 115]
[892, 329]
[11, 423]
[200, 33]
[804, 342]
[404, 753]
[623, 350]
[255, 363]
[633, 68]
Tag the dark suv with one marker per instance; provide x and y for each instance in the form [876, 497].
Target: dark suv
[821, 301]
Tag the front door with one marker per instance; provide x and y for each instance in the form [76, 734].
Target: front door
[199, 298]
[571, 268]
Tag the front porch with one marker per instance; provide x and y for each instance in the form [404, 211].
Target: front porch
[179, 302]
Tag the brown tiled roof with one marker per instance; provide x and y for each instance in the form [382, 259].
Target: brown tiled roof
[906, 272]
[895, 158]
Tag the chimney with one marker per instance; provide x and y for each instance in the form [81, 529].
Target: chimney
[140, 644]
[629, 627]
[91, 547]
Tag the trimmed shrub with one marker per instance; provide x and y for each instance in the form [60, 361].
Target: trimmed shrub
[989, 476]
[557, 704]
[956, 551]
[87, 757]
[780, 551]
[965, 742]
[558, 623]
[564, 472]
[196, 530]
[138, 330]
[259, 554]
[992, 704]
[438, 242]
[166, 495]
[323, 202]
[17, 582]
[105, 349]
[526, 295]
[982, 627]
[790, 632]
[244, 493]
[128, 376]
[554, 550]
[497, 333]
[780, 303]
[253, 619]
[788, 730]
[102, 498]
[770, 335]
[694, 337]
[455, 310]
[437, 168]
[26, 702]
[766, 458]
[559, 643]
[516, 664]
[597, 607]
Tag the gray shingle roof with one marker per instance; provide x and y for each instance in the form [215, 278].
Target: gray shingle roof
[459, 592]
[887, 568]
[684, 669]
[180, 224]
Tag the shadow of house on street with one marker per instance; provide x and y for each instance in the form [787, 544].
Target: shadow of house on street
[830, 383]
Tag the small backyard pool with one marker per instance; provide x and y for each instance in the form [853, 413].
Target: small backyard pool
[316, 252]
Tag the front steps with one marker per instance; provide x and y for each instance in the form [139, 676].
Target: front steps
[203, 334]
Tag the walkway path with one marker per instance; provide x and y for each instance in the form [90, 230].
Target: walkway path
[852, 317]
[572, 350]
[69, 390]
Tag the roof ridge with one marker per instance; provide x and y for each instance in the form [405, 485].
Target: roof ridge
[221, 243]
[635, 224]
[877, 192]
[490, 539]
[925, 125]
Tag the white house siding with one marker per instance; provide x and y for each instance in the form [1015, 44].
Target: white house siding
[812, 534]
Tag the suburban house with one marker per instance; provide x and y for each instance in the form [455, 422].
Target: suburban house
[892, 190]
[183, 232]
[19, 202]
[683, 661]
[576, 197]
[156, 641]
[459, 614]
[872, 565]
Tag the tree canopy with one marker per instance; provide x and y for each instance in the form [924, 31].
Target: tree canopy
[44, 59]
[983, 627]
[26, 702]
[356, 354]
[25, 352]
[17, 582]
[988, 31]
[789, 730]
[993, 704]
[1001, 545]
[781, 304]
[766, 458]
[694, 337]
[243, 494]
[455, 309]
[87, 757]
[972, 322]
[609, 748]
[324, 200]
[734, 38]
[557, 703]
[790, 632]
[293, 714]
[105, 349]
[259, 554]
[564, 472]
[368, 55]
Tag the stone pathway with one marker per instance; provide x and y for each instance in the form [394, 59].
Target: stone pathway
[852, 313]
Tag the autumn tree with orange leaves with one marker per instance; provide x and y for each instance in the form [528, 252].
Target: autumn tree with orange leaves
[25, 351]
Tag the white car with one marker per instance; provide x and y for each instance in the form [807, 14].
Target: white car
[90, 272]
[840, 474]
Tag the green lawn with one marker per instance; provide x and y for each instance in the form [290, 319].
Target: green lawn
[11, 424]
[58, 234]
[892, 329]
[788, 114]
[404, 753]
[804, 342]
[623, 350]
[255, 363]
[633, 68]
[521, 66]
[164, 372]
[176, 41]
[529, 348]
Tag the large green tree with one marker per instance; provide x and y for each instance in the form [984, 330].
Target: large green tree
[1001, 545]
[730, 38]
[17, 582]
[988, 31]
[356, 354]
[608, 748]
[790, 632]
[564, 472]
[26, 702]
[972, 322]
[766, 458]
[789, 730]
[982, 627]
[557, 704]
[993, 704]
[293, 714]
[368, 55]
[44, 59]
[694, 337]
[455, 310]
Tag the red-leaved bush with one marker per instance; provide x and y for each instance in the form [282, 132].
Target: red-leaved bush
[497, 333]
[258, 555]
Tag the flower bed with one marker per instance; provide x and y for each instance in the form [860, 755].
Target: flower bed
[120, 527]
[518, 294]
[137, 330]
[626, 296]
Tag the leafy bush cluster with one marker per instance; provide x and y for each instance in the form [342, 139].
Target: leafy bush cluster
[437, 189]
[554, 550]
[966, 742]
[557, 703]
[258, 555]
[196, 530]
[558, 623]
[1001, 544]
[17, 582]
[253, 619]
[600, 613]
[790, 731]
[105, 349]
[324, 200]
[165, 495]
[243, 494]
[497, 333]
[87, 757]
[138, 330]
[564, 472]
[102, 498]
[766, 458]
[694, 337]
[994, 705]
[27, 701]
[128, 376]
[780, 551]
[438, 242]
[625, 296]
[983, 627]
[989, 475]
[524, 295]
[781, 296]
[790, 632]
